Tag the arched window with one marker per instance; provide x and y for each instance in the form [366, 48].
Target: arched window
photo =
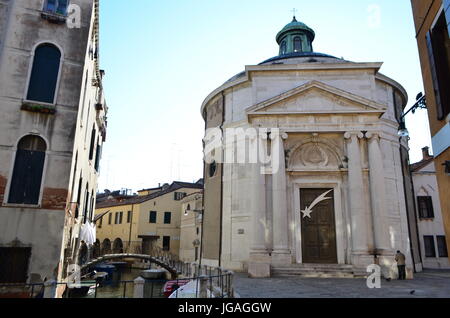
[297, 44]
[28, 170]
[283, 48]
[44, 74]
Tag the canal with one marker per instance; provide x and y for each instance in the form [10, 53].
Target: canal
[120, 285]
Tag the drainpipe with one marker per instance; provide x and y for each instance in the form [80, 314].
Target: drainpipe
[131, 226]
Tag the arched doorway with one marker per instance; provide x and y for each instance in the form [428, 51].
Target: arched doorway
[118, 246]
[96, 250]
[106, 247]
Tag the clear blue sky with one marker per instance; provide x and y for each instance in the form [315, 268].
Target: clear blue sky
[162, 58]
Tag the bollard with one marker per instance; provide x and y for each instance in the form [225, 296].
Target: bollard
[50, 289]
[139, 287]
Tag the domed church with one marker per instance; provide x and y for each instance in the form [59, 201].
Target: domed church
[340, 197]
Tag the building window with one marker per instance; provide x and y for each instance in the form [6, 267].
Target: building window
[28, 171]
[283, 48]
[100, 224]
[98, 156]
[56, 6]
[297, 44]
[178, 196]
[152, 217]
[442, 246]
[425, 207]
[14, 263]
[430, 250]
[44, 74]
[196, 253]
[110, 219]
[91, 147]
[129, 215]
[212, 169]
[166, 243]
[438, 43]
[198, 231]
[118, 218]
[167, 217]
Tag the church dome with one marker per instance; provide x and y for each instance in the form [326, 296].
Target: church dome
[295, 37]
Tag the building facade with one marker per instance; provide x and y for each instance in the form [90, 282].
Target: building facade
[331, 183]
[191, 227]
[144, 224]
[432, 21]
[52, 129]
[432, 236]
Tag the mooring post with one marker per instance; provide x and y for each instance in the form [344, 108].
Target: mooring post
[139, 287]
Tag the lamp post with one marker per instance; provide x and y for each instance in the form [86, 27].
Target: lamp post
[421, 103]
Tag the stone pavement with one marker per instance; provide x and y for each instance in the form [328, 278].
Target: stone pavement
[428, 284]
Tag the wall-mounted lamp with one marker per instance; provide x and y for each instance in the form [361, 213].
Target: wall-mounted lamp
[421, 102]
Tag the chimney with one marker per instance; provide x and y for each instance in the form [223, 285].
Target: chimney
[426, 153]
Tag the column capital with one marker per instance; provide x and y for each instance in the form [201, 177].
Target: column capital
[350, 134]
[279, 134]
[373, 135]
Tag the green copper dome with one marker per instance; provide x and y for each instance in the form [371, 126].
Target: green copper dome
[295, 37]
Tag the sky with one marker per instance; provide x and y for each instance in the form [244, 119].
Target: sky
[162, 58]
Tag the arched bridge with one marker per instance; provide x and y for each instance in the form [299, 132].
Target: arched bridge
[162, 263]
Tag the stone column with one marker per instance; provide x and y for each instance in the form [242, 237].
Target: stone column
[378, 194]
[356, 197]
[281, 253]
[259, 264]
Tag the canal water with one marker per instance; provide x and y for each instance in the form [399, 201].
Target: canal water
[115, 288]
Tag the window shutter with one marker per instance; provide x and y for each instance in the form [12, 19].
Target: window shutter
[434, 76]
[442, 246]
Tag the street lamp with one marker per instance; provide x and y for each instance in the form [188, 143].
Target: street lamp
[421, 103]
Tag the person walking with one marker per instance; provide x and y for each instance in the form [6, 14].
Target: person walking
[401, 265]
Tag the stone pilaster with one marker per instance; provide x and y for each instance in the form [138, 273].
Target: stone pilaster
[281, 253]
[356, 199]
[378, 194]
[259, 264]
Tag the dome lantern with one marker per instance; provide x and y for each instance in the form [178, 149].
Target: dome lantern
[295, 37]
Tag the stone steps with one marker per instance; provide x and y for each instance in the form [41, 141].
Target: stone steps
[316, 271]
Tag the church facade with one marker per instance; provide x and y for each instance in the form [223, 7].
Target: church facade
[340, 194]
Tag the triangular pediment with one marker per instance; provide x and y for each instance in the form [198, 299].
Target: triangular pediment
[315, 98]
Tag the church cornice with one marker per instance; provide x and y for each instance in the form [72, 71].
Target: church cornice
[249, 69]
[366, 105]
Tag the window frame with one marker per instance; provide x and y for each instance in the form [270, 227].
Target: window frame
[30, 71]
[431, 240]
[300, 42]
[167, 217]
[46, 10]
[11, 172]
[428, 202]
[440, 239]
[163, 245]
[438, 82]
[155, 213]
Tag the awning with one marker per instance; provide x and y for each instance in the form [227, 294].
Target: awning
[99, 216]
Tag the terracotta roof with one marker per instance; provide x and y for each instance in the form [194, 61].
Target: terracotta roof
[421, 164]
[140, 199]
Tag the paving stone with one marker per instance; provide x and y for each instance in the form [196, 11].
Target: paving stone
[428, 284]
